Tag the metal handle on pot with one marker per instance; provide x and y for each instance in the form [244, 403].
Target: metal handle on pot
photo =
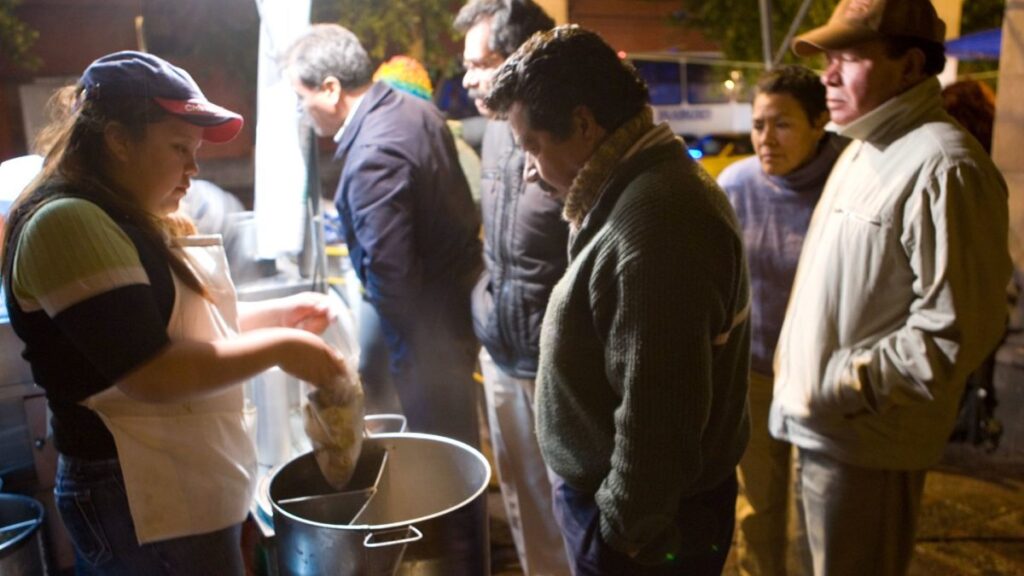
[416, 536]
[384, 418]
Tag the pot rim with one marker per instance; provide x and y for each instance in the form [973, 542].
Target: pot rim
[374, 527]
[15, 543]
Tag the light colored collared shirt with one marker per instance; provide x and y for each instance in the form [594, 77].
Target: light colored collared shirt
[349, 117]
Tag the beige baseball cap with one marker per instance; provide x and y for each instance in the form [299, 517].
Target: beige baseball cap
[856, 21]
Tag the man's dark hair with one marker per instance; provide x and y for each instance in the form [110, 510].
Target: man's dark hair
[512, 22]
[329, 50]
[799, 82]
[934, 52]
[557, 71]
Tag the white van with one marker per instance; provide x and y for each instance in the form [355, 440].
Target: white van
[698, 94]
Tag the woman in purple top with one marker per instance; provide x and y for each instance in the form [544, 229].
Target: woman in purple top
[774, 195]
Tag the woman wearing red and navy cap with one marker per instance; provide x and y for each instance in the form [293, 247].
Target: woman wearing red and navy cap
[133, 329]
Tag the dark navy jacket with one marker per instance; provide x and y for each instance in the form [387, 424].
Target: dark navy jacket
[526, 250]
[407, 215]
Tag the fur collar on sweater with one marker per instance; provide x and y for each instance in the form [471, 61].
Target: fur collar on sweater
[586, 187]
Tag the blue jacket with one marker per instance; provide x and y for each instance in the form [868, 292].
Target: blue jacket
[525, 250]
[408, 219]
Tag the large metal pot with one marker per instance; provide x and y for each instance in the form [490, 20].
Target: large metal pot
[21, 545]
[416, 493]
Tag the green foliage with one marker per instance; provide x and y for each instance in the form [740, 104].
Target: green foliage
[418, 28]
[16, 39]
[224, 34]
[981, 15]
[740, 37]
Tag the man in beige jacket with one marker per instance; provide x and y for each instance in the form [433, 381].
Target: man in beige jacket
[899, 293]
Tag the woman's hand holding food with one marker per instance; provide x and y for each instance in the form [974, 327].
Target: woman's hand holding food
[309, 311]
[308, 358]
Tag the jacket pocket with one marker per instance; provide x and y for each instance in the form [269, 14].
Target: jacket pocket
[482, 304]
[859, 217]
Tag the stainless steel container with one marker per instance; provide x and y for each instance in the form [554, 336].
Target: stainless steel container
[21, 544]
[275, 397]
[414, 493]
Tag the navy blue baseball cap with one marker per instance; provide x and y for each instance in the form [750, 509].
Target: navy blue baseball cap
[136, 74]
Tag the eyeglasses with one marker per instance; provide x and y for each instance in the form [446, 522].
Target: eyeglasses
[302, 100]
[485, 64]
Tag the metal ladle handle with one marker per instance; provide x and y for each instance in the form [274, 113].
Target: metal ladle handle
[417, 535]
[17, 526]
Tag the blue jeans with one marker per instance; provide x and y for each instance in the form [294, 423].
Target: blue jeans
[706, 522]
[93, 505]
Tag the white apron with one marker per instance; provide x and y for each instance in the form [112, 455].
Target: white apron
[189, 468]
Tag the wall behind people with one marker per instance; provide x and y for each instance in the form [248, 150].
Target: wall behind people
[173, 30]
[1008, 136]
[638, 26]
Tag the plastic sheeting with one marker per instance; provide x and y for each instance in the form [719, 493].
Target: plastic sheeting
[982, 45]
[280, 182]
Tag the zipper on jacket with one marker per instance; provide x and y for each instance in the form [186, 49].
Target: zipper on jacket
[504, 242]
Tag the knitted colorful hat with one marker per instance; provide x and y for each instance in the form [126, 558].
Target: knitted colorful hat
[406, 74]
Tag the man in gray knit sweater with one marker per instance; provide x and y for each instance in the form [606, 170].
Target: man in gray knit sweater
[641, 390]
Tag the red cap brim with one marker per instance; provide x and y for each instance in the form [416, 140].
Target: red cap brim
[219, 124]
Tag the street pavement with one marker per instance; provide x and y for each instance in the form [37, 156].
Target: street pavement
[971, 523]
[972, 518]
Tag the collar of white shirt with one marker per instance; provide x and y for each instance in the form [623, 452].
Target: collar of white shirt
[351, 115]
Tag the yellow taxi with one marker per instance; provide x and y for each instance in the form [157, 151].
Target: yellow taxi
[716, 151]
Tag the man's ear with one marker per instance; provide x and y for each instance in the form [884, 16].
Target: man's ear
[818, 125]
[118, 141]
[332, 87]
[584, 124]
[913, 66]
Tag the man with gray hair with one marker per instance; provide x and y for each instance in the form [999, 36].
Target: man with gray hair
[409, 224]
[524, 250]
[899, 293]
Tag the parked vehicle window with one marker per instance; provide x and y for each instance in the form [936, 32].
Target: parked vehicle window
[697, 94]
[717, 84]
[663, 80]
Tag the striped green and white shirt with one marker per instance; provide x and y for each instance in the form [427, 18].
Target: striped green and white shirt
[91, 296]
